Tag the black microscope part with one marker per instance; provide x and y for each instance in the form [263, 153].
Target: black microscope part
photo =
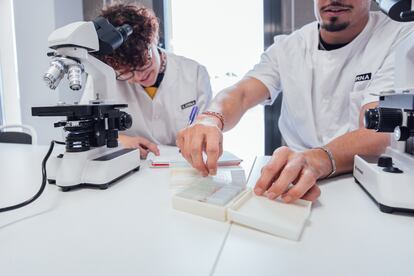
[383, 119]
[398, 10]
[110, 37]
[88, 125]
[384, 161]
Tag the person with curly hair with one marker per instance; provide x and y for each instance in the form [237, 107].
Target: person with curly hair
[159, 87]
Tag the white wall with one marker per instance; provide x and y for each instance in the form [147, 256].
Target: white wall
[34, 21]
[10, 85]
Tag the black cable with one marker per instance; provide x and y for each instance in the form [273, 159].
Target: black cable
[44, 179]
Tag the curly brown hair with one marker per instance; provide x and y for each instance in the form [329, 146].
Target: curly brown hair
[133, 53]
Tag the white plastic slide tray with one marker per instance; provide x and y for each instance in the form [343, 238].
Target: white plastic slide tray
[211, 196]
[203, 209]
[270, 216]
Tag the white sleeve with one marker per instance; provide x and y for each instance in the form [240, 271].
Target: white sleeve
[267, 71]
[384, 78]
[204, 92]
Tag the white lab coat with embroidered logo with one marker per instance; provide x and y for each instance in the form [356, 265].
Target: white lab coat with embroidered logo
[323, 91]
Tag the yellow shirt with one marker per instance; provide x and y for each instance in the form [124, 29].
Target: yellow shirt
[151, 91]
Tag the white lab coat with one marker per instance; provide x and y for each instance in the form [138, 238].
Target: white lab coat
[323, 91]
[186, 83]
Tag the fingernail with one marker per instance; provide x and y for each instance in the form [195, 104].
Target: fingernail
[287, 198]
[213, 172]
[258, 191]
[271, 195]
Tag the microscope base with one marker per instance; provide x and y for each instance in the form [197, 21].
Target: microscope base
[384, 208]
[96, 168]
[392, 192]
[99, 186]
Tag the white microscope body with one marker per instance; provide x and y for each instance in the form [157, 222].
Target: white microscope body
[389, 179]
[92, 156]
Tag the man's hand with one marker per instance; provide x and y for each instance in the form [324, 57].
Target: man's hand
[293, 175]
[145, 146]
[202, 136]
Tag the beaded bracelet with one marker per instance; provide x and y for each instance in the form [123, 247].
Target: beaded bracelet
[216, 115]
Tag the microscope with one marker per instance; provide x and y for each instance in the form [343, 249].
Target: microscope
[92, 156]
[389, 179]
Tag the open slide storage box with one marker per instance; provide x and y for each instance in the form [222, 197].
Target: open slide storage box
[258, 212]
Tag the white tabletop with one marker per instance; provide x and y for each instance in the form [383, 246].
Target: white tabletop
[131, 229]
[128, 229]
[347, 235]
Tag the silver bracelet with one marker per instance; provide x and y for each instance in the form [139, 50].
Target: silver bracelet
[331, 158]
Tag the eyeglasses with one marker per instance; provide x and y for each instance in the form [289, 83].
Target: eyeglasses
[127, 75]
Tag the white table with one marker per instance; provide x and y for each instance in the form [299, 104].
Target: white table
[128, 229]
[131, 229]
[347, 235]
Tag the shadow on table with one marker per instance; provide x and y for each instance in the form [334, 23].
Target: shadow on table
[25, 217]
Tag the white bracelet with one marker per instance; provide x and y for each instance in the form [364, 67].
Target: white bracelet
[331, 158]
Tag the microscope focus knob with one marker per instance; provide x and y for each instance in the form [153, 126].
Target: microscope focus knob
[383, 119]
[401, 133]
[125, 121]
[371, 118]
[385, 162]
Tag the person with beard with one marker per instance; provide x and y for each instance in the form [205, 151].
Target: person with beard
[326, 71]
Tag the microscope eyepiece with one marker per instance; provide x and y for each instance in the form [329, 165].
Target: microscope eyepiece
[125, 30]
[110, 37]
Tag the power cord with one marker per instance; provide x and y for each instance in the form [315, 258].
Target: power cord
[44, 180]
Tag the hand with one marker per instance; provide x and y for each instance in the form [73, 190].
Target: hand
[145, 146]
[302, 169]
[202, 136]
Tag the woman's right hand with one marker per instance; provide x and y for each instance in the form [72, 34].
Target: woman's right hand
[137, 142]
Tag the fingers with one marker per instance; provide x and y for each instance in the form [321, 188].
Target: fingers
[287, 167]
[196, 139]
[143, 153]
[179, 141]
[197, 154]
[148, 146]
[305, 183]
[214, 148]
[313, 194]
[184, 145]
[290, 172]
[272, 169]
